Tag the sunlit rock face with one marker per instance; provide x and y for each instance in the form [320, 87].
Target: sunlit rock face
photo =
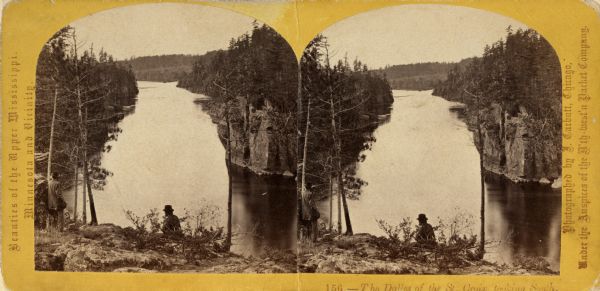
[259, 141]
[510, 147]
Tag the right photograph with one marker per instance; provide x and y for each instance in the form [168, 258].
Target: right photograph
[429, 143]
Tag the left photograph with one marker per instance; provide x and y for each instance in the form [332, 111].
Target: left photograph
[165, 141]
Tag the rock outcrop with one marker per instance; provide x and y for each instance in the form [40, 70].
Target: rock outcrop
[263, 140]
[359, 254]
[98, 248]
[512, 147]
[110, 248]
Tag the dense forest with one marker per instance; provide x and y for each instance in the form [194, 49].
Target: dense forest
[419, 76]
[165, 68]
[253, 89]
[340, 108]
[513, 92]
[80, 96]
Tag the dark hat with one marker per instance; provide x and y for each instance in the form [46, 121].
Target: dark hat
[168, 208]
[422, 217]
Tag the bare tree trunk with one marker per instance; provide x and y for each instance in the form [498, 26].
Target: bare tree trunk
[82, 127]
[349, 230]
[482, 178]
[83, 132]
[298, 169]
[303, 193]
[482, 211]
[341, 189]
[94, 220]
[229, 213]
[51, 146]
[330, 202]
[50, 149]
[340, 182]
[337, 144]
[481, 171]
[75, 189]
[339, 208]
[84, 201]
[230, 191]
[228, 161]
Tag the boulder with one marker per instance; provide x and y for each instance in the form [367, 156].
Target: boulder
[99, 231]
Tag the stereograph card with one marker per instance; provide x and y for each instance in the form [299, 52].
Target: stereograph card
[379, 145]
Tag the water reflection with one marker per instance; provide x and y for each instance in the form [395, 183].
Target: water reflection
[531, 220]
[264, 213]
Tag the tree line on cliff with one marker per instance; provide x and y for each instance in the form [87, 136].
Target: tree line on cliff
[258, 66]
[520, 75]
[80, 96]
[340, 107]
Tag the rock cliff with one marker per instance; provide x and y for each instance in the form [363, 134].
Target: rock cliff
[512, 146]
[262, 139]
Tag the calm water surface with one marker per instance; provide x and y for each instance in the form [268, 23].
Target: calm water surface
[169, 153]
[424, 161]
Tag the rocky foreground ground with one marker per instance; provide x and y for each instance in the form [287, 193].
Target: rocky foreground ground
[358, 254]
[109, 248]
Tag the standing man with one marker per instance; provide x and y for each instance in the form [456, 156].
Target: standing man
[425, 235]
[171, 225]
[56, 204]
[314, 215]
[310, 213]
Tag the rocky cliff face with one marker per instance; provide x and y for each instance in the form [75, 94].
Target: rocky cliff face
[512, 147]
[261, 137]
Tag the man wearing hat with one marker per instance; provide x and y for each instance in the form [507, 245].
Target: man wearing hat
[56, 203]
[425, 234]
[171, 224]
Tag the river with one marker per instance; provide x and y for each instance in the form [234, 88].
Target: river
[169, 153]
[424, 161]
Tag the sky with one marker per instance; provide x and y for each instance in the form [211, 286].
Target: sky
[416, 33]
[155, 29]
[394, 35]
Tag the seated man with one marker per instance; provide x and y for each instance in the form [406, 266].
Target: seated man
[425, 235]
[171, 224]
